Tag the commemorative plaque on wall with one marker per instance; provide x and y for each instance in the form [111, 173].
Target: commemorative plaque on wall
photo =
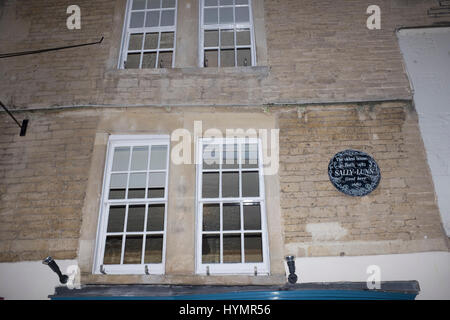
[354, 173]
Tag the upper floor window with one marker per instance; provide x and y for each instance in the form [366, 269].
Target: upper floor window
[131, 236]
[226, 33]
[149, 34]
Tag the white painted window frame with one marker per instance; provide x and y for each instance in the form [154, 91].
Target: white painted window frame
[127, 31]
[151, 268]
[219, 26]
[251, 268]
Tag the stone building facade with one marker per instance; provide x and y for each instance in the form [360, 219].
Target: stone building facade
[320, 77]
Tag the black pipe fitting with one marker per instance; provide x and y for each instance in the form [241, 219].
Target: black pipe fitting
[52, 264]
[292, 278]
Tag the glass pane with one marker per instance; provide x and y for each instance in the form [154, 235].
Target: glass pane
[152, 19]
[230, 156]
[168, 3]
[116, 218]
[136, 187]
[243, 37]
[211, 156]
[166, 40]
[139, 158]
[211, 248]
[231, 248]
[210, 3]
[241, 1]
[120, 159]
[133, 61]
[165, 59]
[113, 250]
[117, 186]
[250, 184]
[138, 5]
[210, 185]
[211, 16]
[249, 154]
[151, 41]
[211, 59]
[155, 219]
[230, 184]
[153, 4]
[153, 249]
[149, 60]
[227, 58]
[136, 217]
[226, 2]
[211, 38]
[252, 217]
[137, 20]
[253, 247]
[158, 158]
[226, 15]
[135, 42]
[226, 38]
[244, 58]
[133, 250]
[211, 217]
[168, 18]
[156, 184]
[231, 216]
[242, 14]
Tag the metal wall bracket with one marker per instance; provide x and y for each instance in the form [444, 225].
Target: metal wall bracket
[102, 269]
[146, 270]
[23, 127]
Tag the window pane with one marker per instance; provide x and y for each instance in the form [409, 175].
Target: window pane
[243, 37]
[210, 3]
[211, 156]
[230, 156]
[153, 249]
[211, 217]
[227, 58]
[116, 218]
[168, 18]
[165, 59]
[113, 250]
[244, 58]
[153, 4]
[166, 40]
[252, 217]
[155, 219]
[149, 60]
[135, 41]
[136, 217]
[226, 15]
[151, 41]
[226, 2]
[137, 20]
[230, 184]
[210, 185]
[253, 247]
[156, 184]
[136, 187]
[242, 14]
[241, 1]
[211, 16]
[168, 3]
[133, 61]
[120, 159]
[211, 58]
[139, 158]
[158, 158]
[133, 250]
[211, 248]
[211, 38]
[231, 216]
[117, 186]
[152, 19]
[249, 154]
[226, 38]
[231, 248]
[250, 184]
[138, 5]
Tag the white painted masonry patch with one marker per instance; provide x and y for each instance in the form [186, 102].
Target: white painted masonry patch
[326, 231]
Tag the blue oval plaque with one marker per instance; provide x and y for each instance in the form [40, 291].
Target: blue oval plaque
[354, 173]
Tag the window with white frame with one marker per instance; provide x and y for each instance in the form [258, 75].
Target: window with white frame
[231, 221]
[226, 35]
[132, 226]
[149, 34]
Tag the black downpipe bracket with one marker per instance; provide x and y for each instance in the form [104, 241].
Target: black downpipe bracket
[52, 264]
[23, 127]
[292, 278]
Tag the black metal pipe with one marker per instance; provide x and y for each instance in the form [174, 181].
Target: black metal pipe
[52, 264]
[23, 127]
[292, 278]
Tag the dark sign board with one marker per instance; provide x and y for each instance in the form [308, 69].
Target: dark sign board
[354, 173]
